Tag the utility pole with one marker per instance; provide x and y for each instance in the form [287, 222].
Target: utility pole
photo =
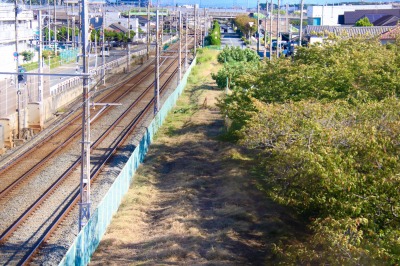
[278, 37]
[103, 74]
[80, 25]
[270, 30]
[265, 30]
[174, 19]
[67, 25]
[148, 30]
[301, 22]
[186, 41]
[17, 63]
[84, 203]
[55, 28]
[157, 72]
[48, 22]
[73, 27]
[95, 50]
[40, 69]
[129, 23]
[205, 28]
[258, 26]
[180, 48]
[128, 56]
[195, 30]
[73, 31]
[161, 39]
[200, 28]
[287, 17]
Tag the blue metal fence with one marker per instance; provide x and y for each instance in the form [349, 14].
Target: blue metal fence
[68, 55]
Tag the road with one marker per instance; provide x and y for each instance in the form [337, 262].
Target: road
[231, 39]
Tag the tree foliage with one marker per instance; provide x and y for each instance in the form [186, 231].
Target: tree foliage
[296, 22]
[325, 124]
[363, 22]
[27, 55]
[337, 162]
[62, 34]
[111, 35]
[214, 38]
[235, 61]
[242, 22]
[230, 72]
[65, 34]
[47, 53]
[281, 12]
[351, 69]
[235, 54]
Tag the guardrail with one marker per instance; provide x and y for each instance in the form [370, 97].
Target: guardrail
[75, 81]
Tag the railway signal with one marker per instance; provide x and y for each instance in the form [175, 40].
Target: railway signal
[21, 75]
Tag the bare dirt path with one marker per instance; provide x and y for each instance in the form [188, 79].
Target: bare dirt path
[193, 201]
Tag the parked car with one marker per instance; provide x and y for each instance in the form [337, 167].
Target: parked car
[106, 51]
[282, 44]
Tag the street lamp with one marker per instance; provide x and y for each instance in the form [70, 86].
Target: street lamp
[251, 25]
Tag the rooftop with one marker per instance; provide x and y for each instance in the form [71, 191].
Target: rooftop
[346, 30]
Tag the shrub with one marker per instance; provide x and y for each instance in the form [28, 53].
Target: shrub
[47, 53]
[27, 55]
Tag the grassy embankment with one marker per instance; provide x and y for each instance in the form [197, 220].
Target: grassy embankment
[194, 200]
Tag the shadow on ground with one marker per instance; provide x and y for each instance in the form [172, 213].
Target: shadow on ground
[194, 203]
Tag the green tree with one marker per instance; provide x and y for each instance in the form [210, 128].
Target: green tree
[46, 34]
[132, 35]
[27, 55]
[236, 54]
[47, 53]
[243, 23]
[95, 35]
[281, 12]
[356, 69]
[363, 22]
[110, 35]
[230, 72]
[324, 125]
[214, 37]
[338, 164]
[296, 22]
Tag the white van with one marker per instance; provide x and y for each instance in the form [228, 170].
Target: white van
[106, 52]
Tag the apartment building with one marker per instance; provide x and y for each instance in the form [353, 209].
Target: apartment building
[334, 15]
[25, 34]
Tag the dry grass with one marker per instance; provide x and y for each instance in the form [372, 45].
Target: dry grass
[193, 201]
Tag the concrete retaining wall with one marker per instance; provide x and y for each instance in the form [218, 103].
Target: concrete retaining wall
[69, 90]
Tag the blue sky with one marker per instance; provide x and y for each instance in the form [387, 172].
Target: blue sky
[249, 3]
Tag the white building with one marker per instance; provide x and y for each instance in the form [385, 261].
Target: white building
[332, 15]
[25, 35]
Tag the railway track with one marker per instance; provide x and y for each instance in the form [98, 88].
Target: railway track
[15, 172]
[108, 141]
